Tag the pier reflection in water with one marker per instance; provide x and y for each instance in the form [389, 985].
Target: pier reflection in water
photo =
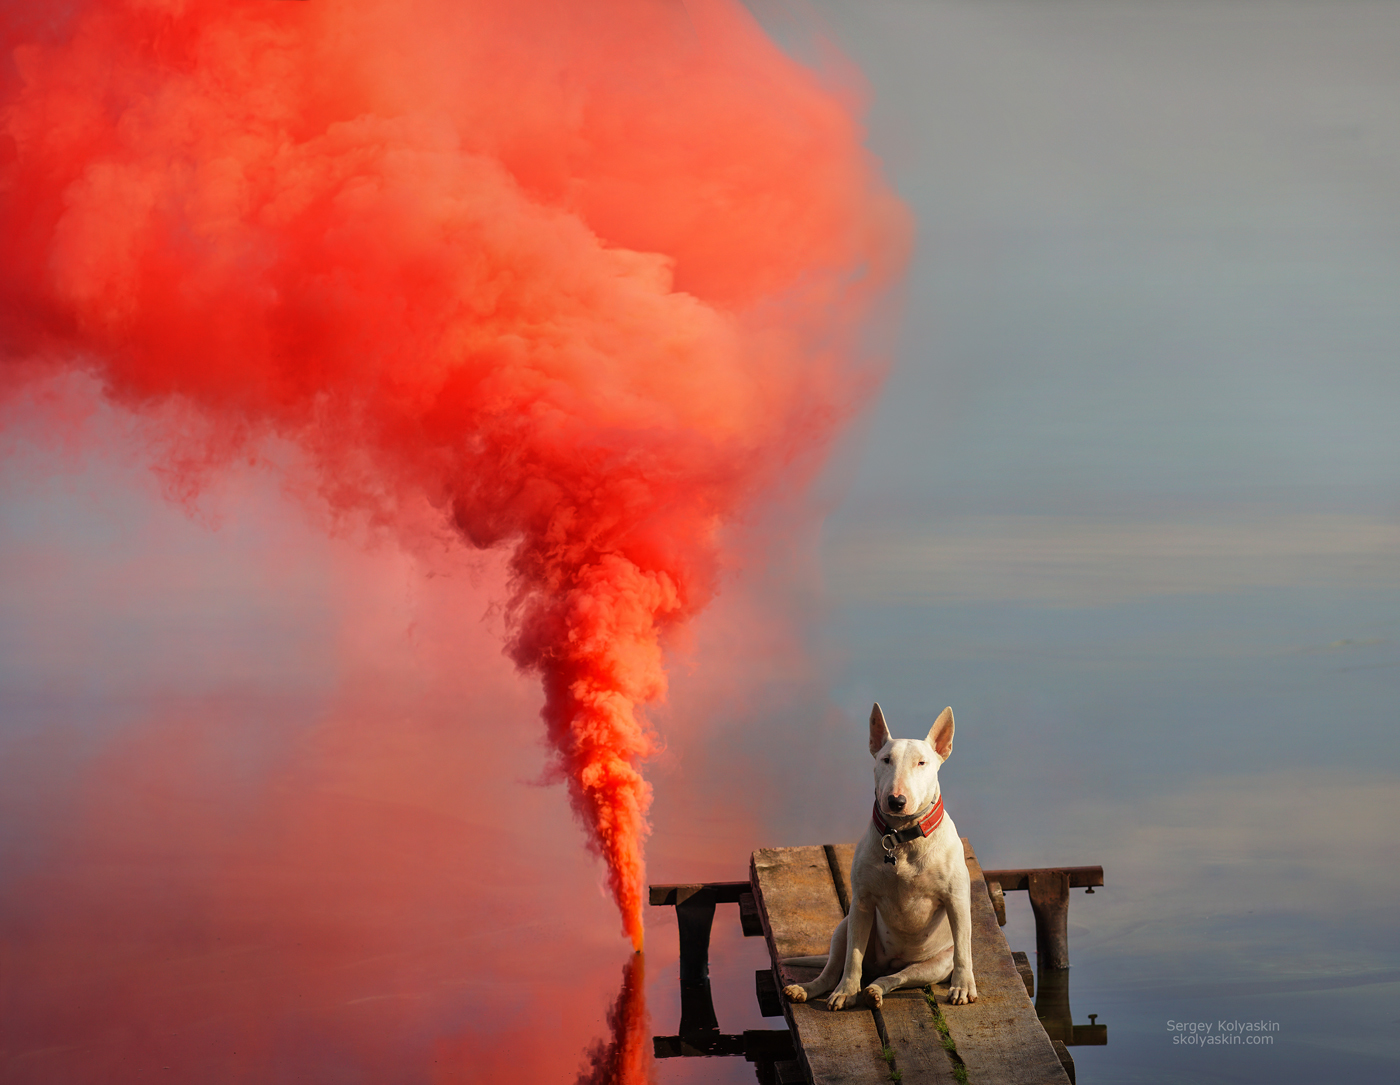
[698, 1034]
[1052, 1007]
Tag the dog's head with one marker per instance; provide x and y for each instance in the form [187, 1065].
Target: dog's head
[906, 769]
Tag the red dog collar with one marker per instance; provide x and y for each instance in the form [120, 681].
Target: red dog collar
[923, 827]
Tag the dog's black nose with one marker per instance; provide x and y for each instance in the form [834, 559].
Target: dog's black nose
[898, 803]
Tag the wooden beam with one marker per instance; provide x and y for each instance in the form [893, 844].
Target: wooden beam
[1066, 1059]
[1049, 892]
[1023, 966]
[749, 921]
[1080, 877]
[998, 900]
[765, 989]
[724, 892]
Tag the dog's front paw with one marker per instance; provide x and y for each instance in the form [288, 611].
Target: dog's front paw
[840, 998]
[875, 995]
[961, 990]
[795, 993]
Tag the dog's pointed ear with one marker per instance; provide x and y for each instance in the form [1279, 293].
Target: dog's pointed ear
[879, 732]
[940, 735]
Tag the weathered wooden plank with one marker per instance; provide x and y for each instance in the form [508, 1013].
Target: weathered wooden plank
[918, 1046]
[840, 857]
[840, 1048]
[1066, 1059]
[1023, 966]
[999, 1036]
[799, 907]
[796, 897]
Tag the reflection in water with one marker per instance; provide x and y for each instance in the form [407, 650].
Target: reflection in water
[1052, 1007]
[315, 925]
[290, 857]
[625, 1058]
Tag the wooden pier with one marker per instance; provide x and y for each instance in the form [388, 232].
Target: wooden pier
[796, 896]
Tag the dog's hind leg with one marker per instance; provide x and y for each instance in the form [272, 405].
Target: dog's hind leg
[919, 974]
[832, 965]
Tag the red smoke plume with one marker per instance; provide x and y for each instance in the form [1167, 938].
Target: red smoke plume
[585, 278]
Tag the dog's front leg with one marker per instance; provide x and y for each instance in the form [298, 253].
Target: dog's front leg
[858, 926]
[962, 987]
[919, 974]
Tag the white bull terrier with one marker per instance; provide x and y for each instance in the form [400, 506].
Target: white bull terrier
[910, 922]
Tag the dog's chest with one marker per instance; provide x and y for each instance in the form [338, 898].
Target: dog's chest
[908, 909]
[916, 875]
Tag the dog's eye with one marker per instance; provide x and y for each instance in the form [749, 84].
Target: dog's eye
[886, 760]
[921, 762]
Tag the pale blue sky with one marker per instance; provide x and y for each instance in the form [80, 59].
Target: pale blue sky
[1159, 254]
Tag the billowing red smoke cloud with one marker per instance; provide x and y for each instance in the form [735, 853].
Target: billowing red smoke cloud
[585, 278]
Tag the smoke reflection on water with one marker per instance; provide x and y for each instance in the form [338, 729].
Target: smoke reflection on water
[244, 861]
[302, 930]
[626, 1055]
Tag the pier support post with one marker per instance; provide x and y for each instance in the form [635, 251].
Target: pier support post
[1049, 892]
[695, 915]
